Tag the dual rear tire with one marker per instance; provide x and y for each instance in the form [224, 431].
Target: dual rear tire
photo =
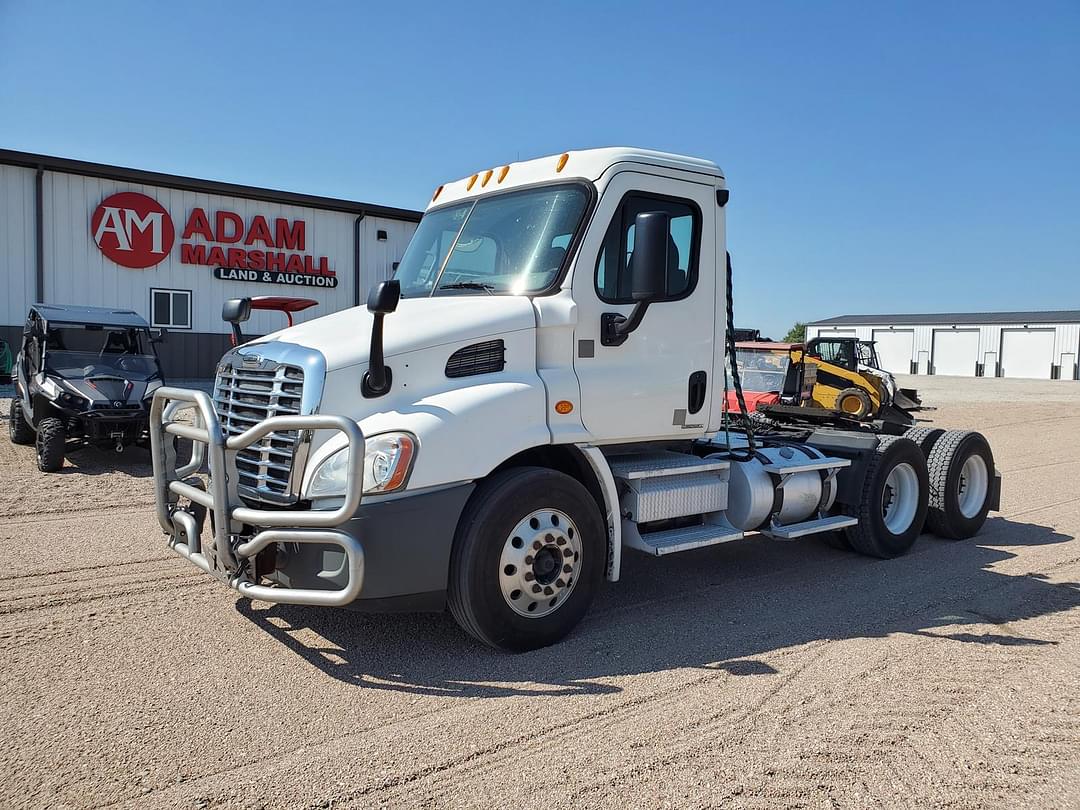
[930, 479]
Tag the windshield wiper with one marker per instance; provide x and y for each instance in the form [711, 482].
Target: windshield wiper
[469, 285]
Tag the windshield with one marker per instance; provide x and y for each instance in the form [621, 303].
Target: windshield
[76, 352]
[763, 371]
[510, 243]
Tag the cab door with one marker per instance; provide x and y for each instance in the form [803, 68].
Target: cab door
[660, 382]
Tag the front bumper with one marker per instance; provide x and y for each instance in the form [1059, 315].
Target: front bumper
[240, 533]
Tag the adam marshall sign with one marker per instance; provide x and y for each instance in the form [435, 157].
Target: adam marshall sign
[135, 231]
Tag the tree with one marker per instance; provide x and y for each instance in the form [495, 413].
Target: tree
[796, 334]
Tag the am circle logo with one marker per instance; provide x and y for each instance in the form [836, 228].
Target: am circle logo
[132, 229]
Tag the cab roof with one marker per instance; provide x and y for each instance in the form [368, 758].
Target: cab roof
[98, 316]
[589, 164]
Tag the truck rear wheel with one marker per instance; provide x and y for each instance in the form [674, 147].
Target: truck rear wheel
[961, 476]
[925, 437]
[892, 506]
[18, 429]
[528, 558]
[51, 444]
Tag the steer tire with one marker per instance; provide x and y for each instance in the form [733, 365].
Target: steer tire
[18, 428]
[909, 494]
[480, 596]
[863, 405]
[925, 437]
[951, 515]
[51, 444]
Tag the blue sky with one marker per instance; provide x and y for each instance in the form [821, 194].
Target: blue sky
[882, 157]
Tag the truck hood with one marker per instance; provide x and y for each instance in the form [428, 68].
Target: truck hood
[344, 338]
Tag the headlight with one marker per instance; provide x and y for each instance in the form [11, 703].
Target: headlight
[388, 458]
[72, 400]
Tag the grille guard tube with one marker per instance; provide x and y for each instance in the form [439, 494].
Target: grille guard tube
[210, 446]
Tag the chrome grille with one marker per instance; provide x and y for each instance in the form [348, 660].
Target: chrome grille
[246, 395]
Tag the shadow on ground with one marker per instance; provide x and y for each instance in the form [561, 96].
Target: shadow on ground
[716, 609]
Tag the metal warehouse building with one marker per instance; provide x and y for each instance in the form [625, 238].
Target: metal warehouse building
[174, 248]
[1035, 345]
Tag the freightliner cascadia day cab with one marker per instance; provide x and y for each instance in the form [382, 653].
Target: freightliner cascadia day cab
[540, 388]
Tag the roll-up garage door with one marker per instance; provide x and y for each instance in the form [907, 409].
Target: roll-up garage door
[1027, 353]
[894, 348]
[956, 351]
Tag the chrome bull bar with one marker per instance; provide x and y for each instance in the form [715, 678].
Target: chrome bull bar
[232, 553]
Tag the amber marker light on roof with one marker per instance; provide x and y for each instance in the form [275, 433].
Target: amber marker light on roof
[435, 196]
[502, 173]
[472, 182]
[487, 176]
[565, 156]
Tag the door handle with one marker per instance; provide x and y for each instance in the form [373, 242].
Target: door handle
[695, 398]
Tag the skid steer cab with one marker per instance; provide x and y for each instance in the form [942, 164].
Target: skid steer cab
[538, 391]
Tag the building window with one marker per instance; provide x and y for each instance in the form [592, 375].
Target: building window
[170, 308]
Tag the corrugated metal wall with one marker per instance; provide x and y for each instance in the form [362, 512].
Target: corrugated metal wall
[1066, 341]
[18, 251]
[77, 272]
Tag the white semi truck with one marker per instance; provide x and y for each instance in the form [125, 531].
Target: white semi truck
[540, 388]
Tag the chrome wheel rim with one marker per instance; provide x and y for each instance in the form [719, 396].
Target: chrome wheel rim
[972, 485]
[900, 498]
[540, 563]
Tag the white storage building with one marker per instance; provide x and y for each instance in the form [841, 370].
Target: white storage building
[175, 248]
[1037, 345]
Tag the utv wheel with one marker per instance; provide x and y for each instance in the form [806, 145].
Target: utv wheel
[854, 402]
[51, 443]
[18, 429]
[961, 477]
[892, 506]
[528, 557]
[925, 437]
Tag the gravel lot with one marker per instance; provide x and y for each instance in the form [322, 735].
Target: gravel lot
[754, 674]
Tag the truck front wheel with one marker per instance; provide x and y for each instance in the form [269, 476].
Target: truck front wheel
[51, 444]
[528, 557]
[18, 429]
[893, 503]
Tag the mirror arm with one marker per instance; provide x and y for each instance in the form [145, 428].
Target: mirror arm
[615, 328]
[376, 380]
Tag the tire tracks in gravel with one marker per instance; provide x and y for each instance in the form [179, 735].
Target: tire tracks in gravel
[54, 515]
[387, 779]
[721, 729]
[911, 720]
[27, 601]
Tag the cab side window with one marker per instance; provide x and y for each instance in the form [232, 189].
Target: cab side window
[684, 238]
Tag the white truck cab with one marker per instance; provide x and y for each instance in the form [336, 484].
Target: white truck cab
[540, 386]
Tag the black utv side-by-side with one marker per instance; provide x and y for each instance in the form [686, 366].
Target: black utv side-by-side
[83, 376]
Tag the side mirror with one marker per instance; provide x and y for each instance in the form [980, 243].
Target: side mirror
[160, 336]
[382, 300]
[236, 310]
[648, 276]
[649, 261]
[384, 296]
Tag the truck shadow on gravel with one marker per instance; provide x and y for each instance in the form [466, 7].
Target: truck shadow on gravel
[714, 609]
